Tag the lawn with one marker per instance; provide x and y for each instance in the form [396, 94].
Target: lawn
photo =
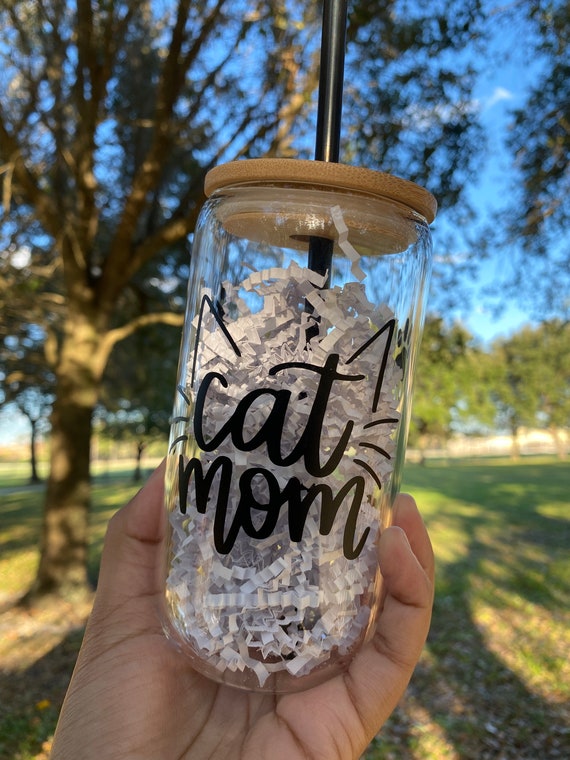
[494, 680]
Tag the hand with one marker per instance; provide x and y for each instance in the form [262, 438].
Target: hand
[133, 695]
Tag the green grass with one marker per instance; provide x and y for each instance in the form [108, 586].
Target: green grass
[494, 681]
[27, 720]
[495, 677]
[20, 525]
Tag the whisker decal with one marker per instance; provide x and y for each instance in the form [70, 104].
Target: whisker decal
[379, 449]
[384, 421]
[177, 440]
[369, 469]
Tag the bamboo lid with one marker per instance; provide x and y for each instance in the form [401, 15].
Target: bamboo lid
[322, 174]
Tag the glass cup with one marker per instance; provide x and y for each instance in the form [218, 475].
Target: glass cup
[305, 308]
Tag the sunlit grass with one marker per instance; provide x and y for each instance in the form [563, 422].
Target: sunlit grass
[20, 527]
[18, 474]
[17, 571]
[501, 536]
[530, 641]
[20, 513]
[495, 672]
[496, 664]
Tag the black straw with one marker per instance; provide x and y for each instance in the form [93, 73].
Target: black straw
[331, 80]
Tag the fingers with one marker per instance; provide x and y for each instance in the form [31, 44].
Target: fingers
[380, 673]
[407, 582]
[407, 566]
[407, 517]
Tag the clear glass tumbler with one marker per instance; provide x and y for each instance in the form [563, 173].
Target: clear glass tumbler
[305, 308]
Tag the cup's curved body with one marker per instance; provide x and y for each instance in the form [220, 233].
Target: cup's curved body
[305, 308]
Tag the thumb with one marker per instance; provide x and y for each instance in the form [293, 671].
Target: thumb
[133, 548]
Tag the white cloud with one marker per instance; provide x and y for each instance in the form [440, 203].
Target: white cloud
[497, 96]
[423, 118]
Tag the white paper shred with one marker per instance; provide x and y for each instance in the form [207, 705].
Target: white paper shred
[350, 252]
[275, 605]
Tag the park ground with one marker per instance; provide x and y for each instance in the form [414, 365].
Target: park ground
[494, 679]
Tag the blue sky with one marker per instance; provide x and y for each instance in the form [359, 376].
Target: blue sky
[499, 90]
[496, 98]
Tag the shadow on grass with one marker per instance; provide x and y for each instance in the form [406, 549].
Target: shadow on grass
[498, 484]
[31, 698]
[21, 522]
[502, 566]
[484, 709]
[501, 537]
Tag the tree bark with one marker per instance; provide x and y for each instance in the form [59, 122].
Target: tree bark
[137, 476]
[515, 444]
[64, 540]
[34, 477]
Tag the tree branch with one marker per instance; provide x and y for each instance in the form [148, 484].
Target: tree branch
[144, 320]
[174, 230]
[45, 209]
[121, 256]
[98, 39]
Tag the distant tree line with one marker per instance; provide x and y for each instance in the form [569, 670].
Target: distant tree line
[522, 381]
[519, 381]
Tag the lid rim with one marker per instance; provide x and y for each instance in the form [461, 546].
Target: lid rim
[324, 174]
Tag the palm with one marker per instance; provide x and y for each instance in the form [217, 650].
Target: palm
[135, 696]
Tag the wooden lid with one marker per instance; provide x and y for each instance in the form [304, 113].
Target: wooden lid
[322, 174]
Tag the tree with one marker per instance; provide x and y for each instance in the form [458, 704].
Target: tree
[138, 389]
[533, 225]
[533, 380]
[446, 387]
[109, 125]
[552, 342]
[110, 115]
[27, 384]
[35, 406]
[517, 387]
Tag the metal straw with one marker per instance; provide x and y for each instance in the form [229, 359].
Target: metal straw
[331, 80]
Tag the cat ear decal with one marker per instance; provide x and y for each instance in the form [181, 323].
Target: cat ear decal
[216, 312]
[387, 331]
[388, 328]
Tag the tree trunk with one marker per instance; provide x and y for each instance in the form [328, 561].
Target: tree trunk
[64, 541]
[515, 444]
[137, 475]
[34, 477]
